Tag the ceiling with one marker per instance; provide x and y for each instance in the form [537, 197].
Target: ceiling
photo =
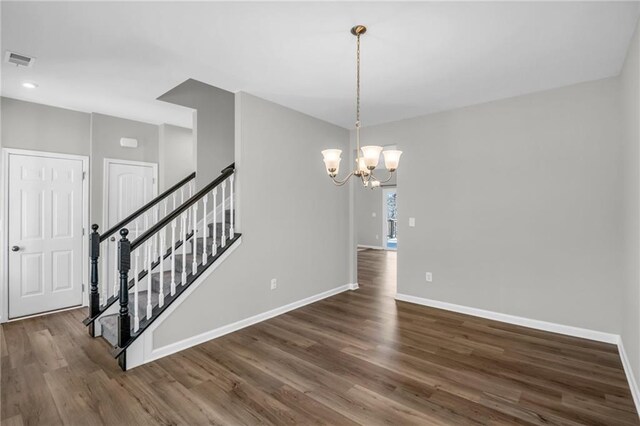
[417, 58]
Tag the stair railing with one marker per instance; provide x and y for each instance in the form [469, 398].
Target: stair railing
[138, 254]
[104, 291]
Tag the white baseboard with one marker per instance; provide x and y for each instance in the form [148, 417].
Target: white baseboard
[512, 319]
[238, 325]
[538, 325]
[628, 371]
[370, 247]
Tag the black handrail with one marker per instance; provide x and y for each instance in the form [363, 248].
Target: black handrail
[226, 172]
[144, 208]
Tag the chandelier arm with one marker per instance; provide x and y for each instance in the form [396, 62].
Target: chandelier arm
[341, 182]
[387, 179]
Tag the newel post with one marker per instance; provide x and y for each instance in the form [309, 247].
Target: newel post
[94, 296]
[124, 264]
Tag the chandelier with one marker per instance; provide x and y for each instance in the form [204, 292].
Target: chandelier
[367, 157]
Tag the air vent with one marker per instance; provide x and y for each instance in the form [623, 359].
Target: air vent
[18, 59]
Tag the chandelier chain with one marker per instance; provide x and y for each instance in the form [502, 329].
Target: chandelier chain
[358, 82]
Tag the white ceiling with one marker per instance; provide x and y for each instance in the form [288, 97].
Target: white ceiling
[418, 58]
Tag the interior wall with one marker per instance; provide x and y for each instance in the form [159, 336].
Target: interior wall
[630, 99]
[31, 126]
[176, 154]
[517, 205]
[214, 125]
[295, 223]
[106, 132]
[369, 228]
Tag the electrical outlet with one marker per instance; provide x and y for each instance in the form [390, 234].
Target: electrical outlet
[377, 237]
[373, 214]
[429, 277]
[274, 284]
[412, 222]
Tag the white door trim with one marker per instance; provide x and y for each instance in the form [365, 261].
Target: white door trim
[4, 214]
[105, 183]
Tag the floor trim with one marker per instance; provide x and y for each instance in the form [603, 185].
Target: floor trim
[512, 319]
[238, 325]
[628, 371]
[370, 247]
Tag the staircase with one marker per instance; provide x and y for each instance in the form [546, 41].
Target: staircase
[173, 243]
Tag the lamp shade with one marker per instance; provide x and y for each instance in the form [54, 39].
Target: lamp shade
[391, 159]
[332, 160]
[371, 155]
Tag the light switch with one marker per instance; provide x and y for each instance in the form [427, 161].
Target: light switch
[373, 214]
[412, 222]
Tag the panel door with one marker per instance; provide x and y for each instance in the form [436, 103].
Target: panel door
[45, 234]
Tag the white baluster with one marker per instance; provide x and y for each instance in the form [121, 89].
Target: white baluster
[194, 264]
[104, 286]
[224, 215]
[231, 231]
[136, 319]
[146, 226]
[149, 278]
[181, 202]
[173, 256]
[161, 269]
[205, 229]
[156, 213]
[184, 248]
[174, 201]
[214, 247]
[116, 281]
[190, 218]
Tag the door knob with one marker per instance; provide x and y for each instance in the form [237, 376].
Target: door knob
[15, 248]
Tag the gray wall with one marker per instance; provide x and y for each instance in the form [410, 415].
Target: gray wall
[176, 154]
[630, 96]
[26, 125]
[517, 205]
[368, 227]
[106, 132]
[295, 223]
[213, 126]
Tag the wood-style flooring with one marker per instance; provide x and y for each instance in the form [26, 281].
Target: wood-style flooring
[356, 358]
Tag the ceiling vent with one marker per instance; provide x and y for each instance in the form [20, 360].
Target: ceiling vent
[19, 60]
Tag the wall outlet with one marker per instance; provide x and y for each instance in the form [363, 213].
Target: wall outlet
[377, 237]
[412, 222]
[373, 214]
[274, 283]
[429, 277]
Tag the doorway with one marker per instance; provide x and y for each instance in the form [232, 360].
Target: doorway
[390, 218]
[46, 200]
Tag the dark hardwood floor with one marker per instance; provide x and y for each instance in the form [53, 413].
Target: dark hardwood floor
[357, 358]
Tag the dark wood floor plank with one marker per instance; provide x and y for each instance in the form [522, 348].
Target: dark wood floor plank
[356, 358]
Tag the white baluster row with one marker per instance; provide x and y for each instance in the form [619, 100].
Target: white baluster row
[156, 247]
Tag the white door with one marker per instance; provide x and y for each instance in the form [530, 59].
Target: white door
[129, 187]
[45, 233]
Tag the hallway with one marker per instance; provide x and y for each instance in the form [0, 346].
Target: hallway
[359, 357]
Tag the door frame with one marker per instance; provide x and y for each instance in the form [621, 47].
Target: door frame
[4, 219]
[105, 183]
